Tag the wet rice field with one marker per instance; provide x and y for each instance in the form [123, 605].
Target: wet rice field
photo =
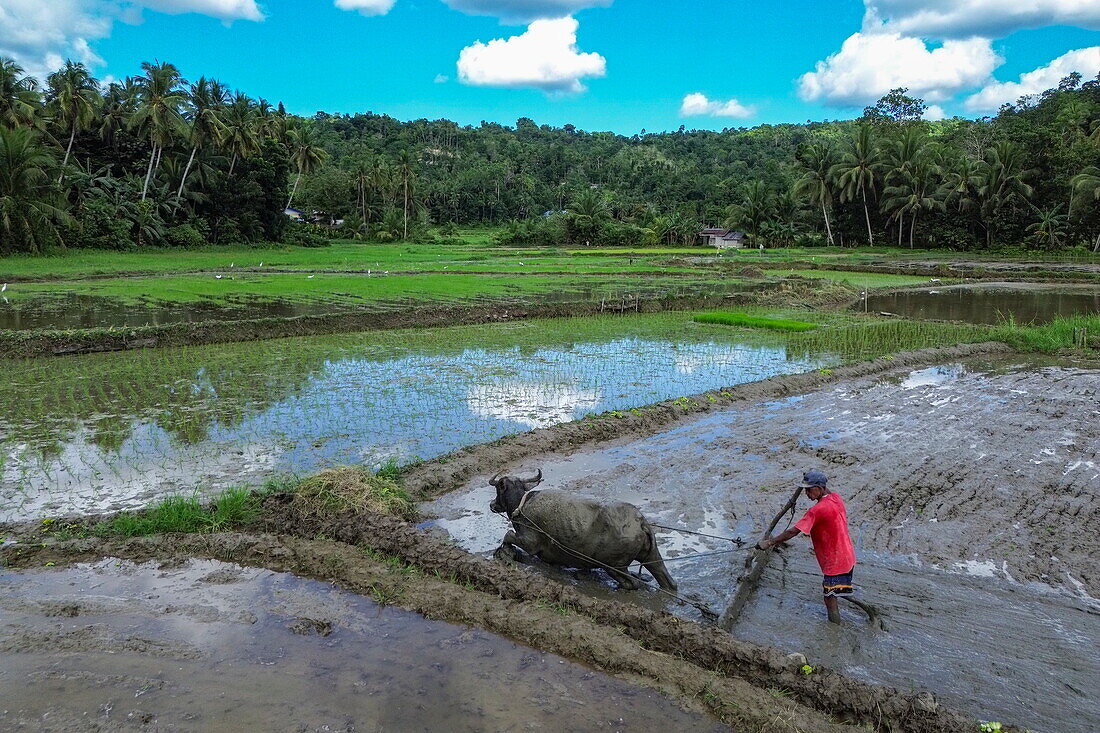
[116, 431]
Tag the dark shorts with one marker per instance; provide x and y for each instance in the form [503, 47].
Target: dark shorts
[838, 585]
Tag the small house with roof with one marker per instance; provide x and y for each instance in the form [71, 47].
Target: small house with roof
[722, 238]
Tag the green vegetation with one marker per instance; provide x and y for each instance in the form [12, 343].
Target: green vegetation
[352, 489]
[231, 508]
[158, 161]
[1061, 333]
[743, 319]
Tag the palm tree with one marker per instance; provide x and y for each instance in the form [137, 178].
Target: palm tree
[1051, 225]
[756, 208]
[816, 183]
[75, 99]
[588, 213]
[206, 98]
[1002, 175]
[239, 130]
[916, 191]
[406, 163]
[119, 104]
[1086, 185]
[857, 170]
[306, 154]
[158, 114]
[19, 97]
[30, 210]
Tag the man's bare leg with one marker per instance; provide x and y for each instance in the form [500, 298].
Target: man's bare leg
[832, 607]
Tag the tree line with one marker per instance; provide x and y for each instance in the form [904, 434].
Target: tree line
[156, 160]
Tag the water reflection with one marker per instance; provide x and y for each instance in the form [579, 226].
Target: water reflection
[989, 303]
[107, 432]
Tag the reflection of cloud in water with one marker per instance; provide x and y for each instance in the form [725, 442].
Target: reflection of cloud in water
[532, 404]
[690, 358]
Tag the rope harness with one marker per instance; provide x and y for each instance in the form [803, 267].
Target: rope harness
[701, 607]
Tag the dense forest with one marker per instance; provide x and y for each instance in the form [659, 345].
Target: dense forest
[156, 160]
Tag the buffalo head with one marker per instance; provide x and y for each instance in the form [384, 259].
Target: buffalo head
[510, 491]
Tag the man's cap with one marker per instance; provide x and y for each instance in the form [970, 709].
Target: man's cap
[814, 478]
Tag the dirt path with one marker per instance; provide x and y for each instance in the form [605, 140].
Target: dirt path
[974, 491]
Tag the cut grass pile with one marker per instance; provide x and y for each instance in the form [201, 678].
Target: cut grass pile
[355, 489]
[748, 321]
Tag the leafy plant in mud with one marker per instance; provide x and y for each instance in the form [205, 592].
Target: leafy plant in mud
[750, 321]
[232, 508]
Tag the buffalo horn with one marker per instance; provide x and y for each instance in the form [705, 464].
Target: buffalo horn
[496, 478]
[536, 479]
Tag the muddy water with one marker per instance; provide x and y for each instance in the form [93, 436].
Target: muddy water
[215, 647]
[973, 490]
[989, 302]
[108, 432]
[68, 310]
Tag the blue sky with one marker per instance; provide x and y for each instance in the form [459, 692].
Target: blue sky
[621, 65]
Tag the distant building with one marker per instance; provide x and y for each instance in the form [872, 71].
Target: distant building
[722, 238]
[294, 214]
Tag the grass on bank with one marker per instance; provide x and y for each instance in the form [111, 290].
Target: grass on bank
[331, 492]
[748, 321]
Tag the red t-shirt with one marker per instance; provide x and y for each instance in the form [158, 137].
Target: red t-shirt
[827, 524]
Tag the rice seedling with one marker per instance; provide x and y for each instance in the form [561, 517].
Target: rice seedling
[750, 321]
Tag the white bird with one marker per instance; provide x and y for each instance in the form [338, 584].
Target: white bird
[261, 264]
[231, 264]
[368, 272]
[5, 287]
[217, 277]
[387, 272]
[521, 263]
[310, 277]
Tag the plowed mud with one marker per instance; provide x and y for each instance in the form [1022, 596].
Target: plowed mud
[973, 489]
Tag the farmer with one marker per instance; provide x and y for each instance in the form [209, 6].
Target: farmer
[827, 524]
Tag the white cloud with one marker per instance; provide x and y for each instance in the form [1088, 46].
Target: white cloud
[41, 34]
[1083, 60]
[227, 10]
[366, 7]
[934, 112]
[985, 18]
[441, 79]
[544, 57]
[524, 11]
[870, 64]
[697, 103]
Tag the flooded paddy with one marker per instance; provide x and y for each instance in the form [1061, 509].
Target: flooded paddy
[104, 432]
[989, 303]
[205, 645]
[973, 490]
[105, 303]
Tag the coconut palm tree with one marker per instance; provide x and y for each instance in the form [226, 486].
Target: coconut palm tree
[756, 207]
[1050, 226]
[159, 115]
[305, 153]
[816, 183]
[588, 213]
[239, 131]
[19, 97]
[858, 170]
[916, 190]
[1086, 187]
[406, 163]
[74, 98]
[206, 98]
[30, 204]
[119, 103]
[1002, 182]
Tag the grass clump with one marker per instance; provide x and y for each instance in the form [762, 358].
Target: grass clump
[1082, 332]
[355, 489]
[231, 508]
[748, 321]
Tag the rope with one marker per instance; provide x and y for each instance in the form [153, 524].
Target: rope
[738, 540]
[702, 608]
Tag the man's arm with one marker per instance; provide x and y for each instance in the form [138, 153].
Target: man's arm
[769, 542]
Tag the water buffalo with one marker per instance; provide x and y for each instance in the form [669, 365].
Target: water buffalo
[548, 524]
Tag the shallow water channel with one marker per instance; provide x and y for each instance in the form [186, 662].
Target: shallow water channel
[988, 302]
[216, 647]
[115, 431]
